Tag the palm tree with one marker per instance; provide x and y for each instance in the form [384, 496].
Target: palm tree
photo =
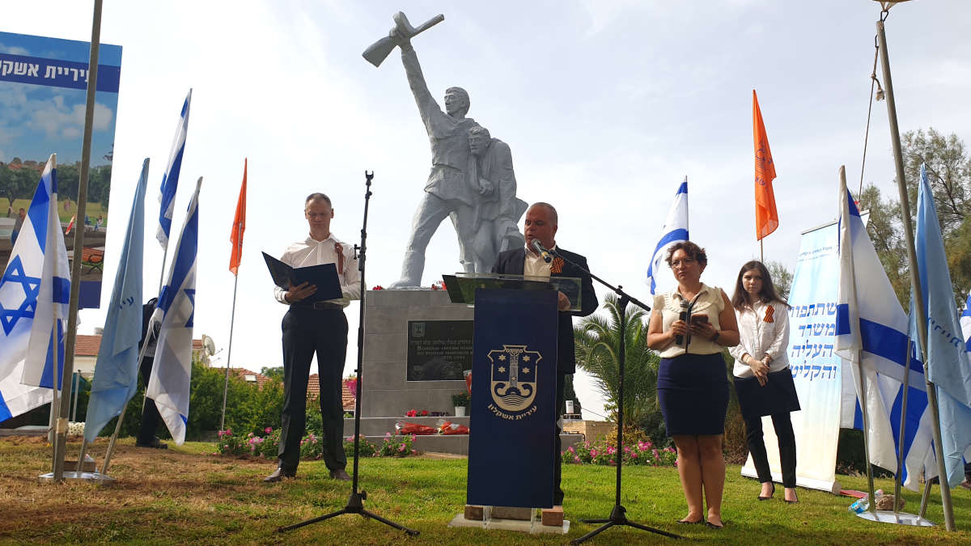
[597, 350]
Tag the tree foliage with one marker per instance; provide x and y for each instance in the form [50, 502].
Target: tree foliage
[781, 278]
[597, 352]
[949, 174]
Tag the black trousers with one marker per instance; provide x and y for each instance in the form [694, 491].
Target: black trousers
[787, 448]
[558, 461]
[307, 332]
[150, 415]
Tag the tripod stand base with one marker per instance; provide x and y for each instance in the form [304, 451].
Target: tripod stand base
[618, 516]
[355, 505]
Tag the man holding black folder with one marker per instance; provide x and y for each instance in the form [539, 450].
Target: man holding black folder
[540, 226]
[313, 326]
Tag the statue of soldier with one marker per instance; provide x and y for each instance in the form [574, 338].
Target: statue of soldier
[447, 192]
[497, 209]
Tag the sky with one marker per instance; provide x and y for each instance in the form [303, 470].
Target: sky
[607, 106]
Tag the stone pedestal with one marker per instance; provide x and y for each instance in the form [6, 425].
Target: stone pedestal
[387, 391]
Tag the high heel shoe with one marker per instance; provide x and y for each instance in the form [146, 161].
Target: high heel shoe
[761, 498]
[795, 501]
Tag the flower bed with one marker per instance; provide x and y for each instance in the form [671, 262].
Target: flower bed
[311, 447]
[641, 453]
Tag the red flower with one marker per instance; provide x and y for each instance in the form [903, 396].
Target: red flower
[424, 412]
[378, 287]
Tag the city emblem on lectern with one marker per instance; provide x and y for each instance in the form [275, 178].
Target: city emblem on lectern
[513, 381]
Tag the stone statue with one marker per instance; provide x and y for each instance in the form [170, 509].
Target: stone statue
[449, 191]
[497, 210]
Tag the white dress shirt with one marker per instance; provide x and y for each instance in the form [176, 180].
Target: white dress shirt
[759, 337]
[312, 252]
[536, 266]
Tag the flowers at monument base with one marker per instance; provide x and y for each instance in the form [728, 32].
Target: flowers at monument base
[398, 445]
[402, 427]
[424, 413]
[446, 427]
[378, 287]
[640, 453]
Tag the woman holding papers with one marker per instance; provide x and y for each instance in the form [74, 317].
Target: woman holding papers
[689, 327]
[762, 378]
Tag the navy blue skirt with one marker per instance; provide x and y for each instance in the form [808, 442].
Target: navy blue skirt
[693, 392]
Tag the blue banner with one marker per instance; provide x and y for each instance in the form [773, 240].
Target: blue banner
[50, 75]
[511, 448]
[56, 72]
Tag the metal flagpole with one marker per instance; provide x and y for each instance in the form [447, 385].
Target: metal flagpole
[914, 274]
[229, 357]
[76, 387]
[866, 434]
[161, 276]
[55, 408]
[72, 321]
[903, 429]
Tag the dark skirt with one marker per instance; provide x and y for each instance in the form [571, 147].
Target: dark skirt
[693, 392]
[777, 396]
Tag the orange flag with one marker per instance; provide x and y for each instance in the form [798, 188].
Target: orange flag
[239, 226]
[766, 216]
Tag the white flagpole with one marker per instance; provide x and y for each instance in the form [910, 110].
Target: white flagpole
[229, 356]
[862, 385]
[914, 274]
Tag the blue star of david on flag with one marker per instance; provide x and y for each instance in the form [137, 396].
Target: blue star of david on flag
[15, 274]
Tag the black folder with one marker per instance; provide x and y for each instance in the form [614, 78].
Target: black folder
[324, 277]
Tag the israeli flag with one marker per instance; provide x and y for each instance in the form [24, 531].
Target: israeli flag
[169, 383]
[116, 372]
[871, 329]
[675, 229]
[966, 324]
[34, 293]
[948, 367]
[170, 180]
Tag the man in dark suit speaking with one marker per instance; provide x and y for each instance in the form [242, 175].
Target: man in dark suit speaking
[541, 224]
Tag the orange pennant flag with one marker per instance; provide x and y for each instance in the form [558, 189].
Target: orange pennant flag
[766, 215]
[239, 226]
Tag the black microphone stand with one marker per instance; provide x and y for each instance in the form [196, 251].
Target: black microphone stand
[618, 516]
[355, 504]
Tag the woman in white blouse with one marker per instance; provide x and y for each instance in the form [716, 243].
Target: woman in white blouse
[762, 377]
[690, 327]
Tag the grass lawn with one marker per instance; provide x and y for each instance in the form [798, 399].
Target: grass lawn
[185, 495]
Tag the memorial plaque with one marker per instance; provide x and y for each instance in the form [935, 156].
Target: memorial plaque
[439, 349]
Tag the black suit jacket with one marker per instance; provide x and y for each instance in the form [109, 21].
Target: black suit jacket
[511, 262]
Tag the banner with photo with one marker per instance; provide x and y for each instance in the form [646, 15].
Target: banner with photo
[43, 85]
[815, 368]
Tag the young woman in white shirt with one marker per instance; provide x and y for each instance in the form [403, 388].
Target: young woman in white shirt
[762, 377]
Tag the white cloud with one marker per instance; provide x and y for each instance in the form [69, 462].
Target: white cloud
[13, 50]
[60, 121]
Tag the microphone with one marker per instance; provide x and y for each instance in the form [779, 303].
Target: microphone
[538, 246]
[679, 339]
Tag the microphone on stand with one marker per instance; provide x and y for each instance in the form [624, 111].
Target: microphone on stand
[542, 250]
